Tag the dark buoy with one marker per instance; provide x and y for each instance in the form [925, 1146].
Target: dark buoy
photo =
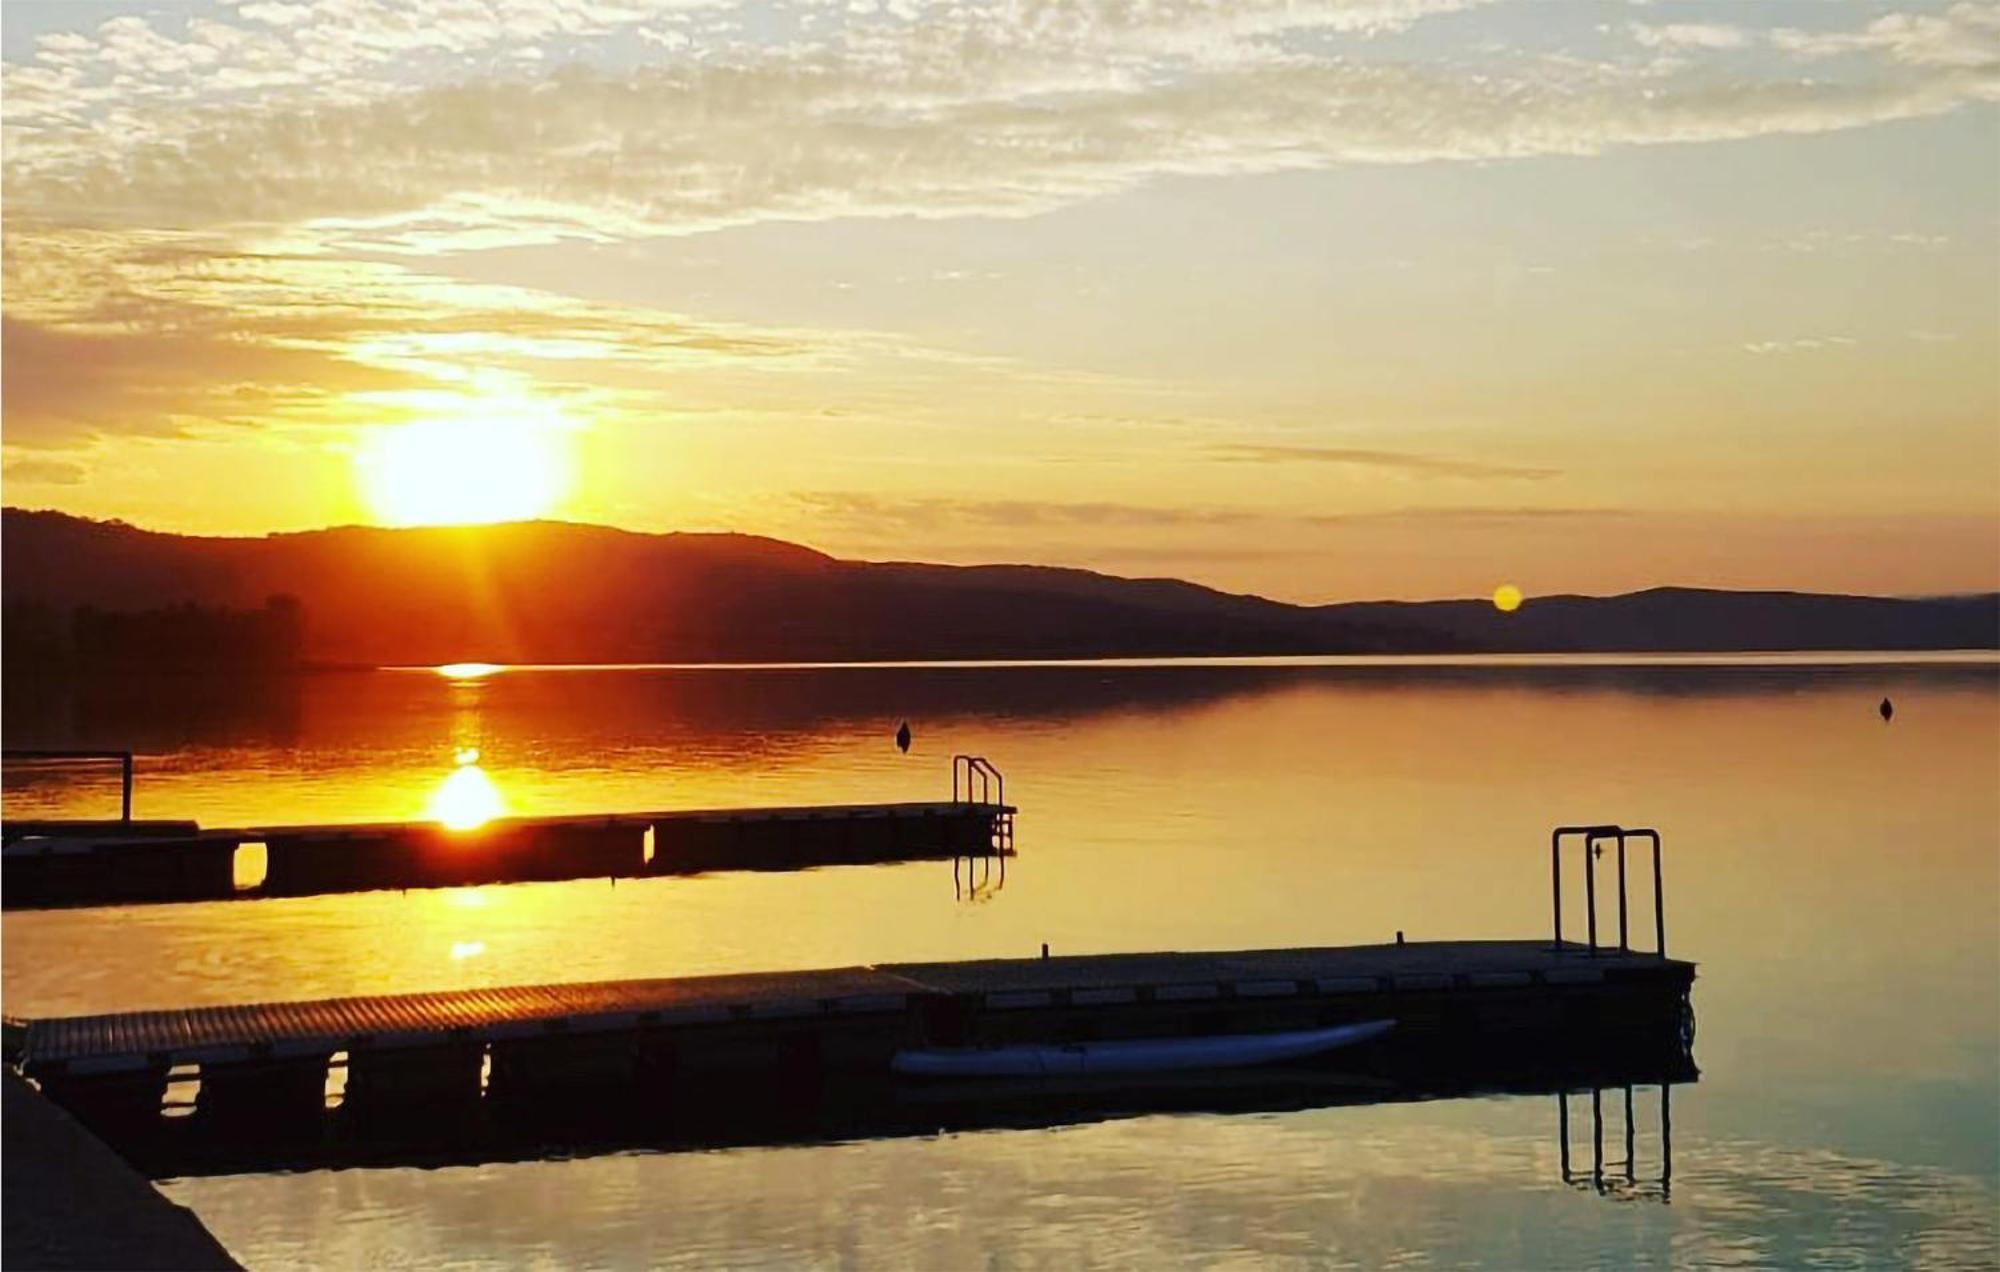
[1887, 709]
[903, 737]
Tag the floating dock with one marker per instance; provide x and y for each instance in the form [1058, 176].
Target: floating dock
[534, 1055]
[549, 1069]
[56, 864]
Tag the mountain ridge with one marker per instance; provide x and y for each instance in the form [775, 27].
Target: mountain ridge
[557, 591]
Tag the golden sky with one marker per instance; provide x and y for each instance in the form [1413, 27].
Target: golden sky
[1322, 299]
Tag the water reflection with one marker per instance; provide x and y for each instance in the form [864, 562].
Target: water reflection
[1453, 1184]
[746, 1107]
[1621, 1178]
[1819, 858]
[469, 670]
[467, 798]
[983, 877]
[703, 716]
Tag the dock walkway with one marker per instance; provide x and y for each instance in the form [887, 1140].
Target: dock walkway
[382, 1075]
[55, 864]
[545, 1068]
[950, 1002]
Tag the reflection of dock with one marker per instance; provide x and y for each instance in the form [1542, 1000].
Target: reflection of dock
[51, 864]
[560, 1060]
[746, 1111]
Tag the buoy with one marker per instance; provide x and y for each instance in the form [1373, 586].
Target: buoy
[1887, 709]
[903, 737]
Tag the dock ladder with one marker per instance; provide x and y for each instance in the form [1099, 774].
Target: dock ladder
[974, 780]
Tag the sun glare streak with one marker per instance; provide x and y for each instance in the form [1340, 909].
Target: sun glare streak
[487, 460]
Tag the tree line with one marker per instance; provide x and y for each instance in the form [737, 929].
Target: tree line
[184, 637]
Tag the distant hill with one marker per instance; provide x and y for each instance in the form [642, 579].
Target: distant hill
[559, 592]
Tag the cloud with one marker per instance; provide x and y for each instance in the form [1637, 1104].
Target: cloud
[61, 385]
[1964, 37]
[890, 513]
[704, 149]
[43, 472]
[877, 514]
[970, 110]
[1690, 35]
[1799, 344]
[1475, 515]
[276, 14]
[151, 333]
[171, 334]
[187, 198]
[1393, 461]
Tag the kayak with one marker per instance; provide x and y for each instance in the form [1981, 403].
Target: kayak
[1137, 1055]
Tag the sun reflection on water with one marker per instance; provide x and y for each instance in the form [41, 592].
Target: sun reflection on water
[467, 799]
[469, 670]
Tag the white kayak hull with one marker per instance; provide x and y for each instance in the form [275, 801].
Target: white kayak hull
[1138, 1055]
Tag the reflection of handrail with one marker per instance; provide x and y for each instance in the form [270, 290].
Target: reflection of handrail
[991, 787]
[124, 759]
[980, 884]
[1592, 837]
[1630, 1186]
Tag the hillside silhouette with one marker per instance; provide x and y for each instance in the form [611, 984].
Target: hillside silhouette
[562, 592]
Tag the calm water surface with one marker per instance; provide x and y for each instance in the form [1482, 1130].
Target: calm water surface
[1836, 878]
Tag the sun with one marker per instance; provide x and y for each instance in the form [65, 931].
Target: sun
[1507, 598]
[469, 469]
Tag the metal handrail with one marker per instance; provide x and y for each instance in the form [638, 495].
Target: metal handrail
[1592, 836]
[124, 759]
[991, 788]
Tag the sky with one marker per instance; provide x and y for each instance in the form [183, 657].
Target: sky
[1321, 299]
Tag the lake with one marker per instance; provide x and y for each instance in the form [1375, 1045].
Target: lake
[1836, 877]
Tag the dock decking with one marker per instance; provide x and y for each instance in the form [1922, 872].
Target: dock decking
[1180, 983]
[700, 1046]
[62, 864]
